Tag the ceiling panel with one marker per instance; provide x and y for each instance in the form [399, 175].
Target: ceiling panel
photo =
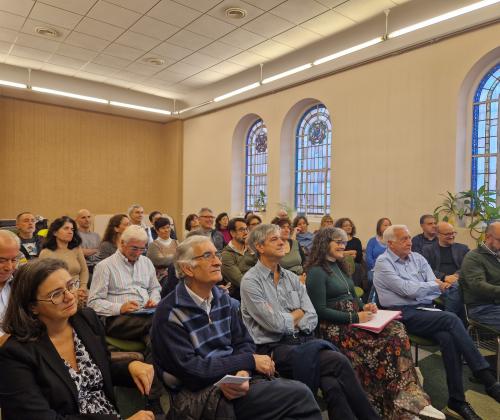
[30, 26]
[31, 53]
[227, 68]
[86, 41]
[174, 13]
[129, 76]
[268, 25]
[189, 40]
[219, 12]
[360, 10]
[219, 50]
[105, 30]
[54, 68]
[124, 52]
[55, 16]
[265, 4]
[241, 38]
[138, 41]
[154, 28]
[297, 37]
[141, 6]
[76, 52]
[209, 76]
[113, 14]
[331, 3]
[110, 61]
[24, 62]
[10, 21]
[299, 11]
[184, 68]
[145, 69]
[166, 76]
[8, 35]
[201, 60]
[271, 49]
[171, 51]
[247, 59]
[99, 69]
[90, 76]
[328, 23]
[4, 47]
[200, 5]
[63, 61]
[210, 27]
[18, 7]
[76, 6]
[37, 42]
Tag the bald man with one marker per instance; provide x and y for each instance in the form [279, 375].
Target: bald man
[480, 279]
[9, 258]
[90, 240]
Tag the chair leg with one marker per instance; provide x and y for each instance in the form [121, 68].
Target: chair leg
[416, 354]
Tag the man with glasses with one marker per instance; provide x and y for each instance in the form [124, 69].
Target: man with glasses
[445, 257]
[404, 281]
[206, 218]
[236, 257]
[123, 284]
[480, 279]
[199, 338]
[9, 258]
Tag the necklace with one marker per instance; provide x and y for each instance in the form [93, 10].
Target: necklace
[344, 280]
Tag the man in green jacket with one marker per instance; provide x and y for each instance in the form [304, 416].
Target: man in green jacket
[480, 279]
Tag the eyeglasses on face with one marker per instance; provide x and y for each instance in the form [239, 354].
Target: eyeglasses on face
[340, 242]
[207, 217]
[207, 256]
[242, 229]
[136, 248]
[57, 296]
[448, 234]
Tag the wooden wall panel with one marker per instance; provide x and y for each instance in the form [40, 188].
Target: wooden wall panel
[55, 160]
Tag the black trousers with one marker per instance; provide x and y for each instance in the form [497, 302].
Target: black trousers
[345, 398]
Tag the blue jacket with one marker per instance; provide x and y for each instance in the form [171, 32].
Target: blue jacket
[433, 256]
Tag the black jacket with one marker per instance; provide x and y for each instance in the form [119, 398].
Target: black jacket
[433, 256]
[35, 383]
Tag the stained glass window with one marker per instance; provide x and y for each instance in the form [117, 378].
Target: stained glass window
[313, 155]
[256, 167]
[485, 155]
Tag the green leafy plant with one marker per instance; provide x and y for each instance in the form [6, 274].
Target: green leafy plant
[285, 206]
[261, 201]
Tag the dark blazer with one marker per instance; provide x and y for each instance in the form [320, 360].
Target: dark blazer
[432, 255]
[35, 383]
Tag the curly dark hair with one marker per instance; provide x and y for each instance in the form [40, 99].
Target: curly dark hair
[219, 218]
[320, 247]
[281, 221]
[50, 240]
[189, 219]
[340, 222]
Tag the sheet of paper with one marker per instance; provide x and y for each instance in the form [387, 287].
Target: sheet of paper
[143, 311]
[379, 321]
[231, 379]
[422, 308]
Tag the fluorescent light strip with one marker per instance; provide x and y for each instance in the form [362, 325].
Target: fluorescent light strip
[69, 95]
[441, 18]
[140, 108]
[13, 84]
[349, 50]
[237, 92]
[182, 111]
[287, 73]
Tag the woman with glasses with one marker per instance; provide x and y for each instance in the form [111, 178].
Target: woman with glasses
[63, 242]
[382, 361]
[55, 364]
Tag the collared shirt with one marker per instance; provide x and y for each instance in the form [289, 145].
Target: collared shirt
[266, 308]
[4, 300]
[116, 281]
[231, 245]
[205, 304]
[404, 282]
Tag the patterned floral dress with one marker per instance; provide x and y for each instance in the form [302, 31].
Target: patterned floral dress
[383, 361]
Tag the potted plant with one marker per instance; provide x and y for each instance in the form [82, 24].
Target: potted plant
[261, 201]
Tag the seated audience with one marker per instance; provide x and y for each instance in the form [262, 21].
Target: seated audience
[90, 240]
[382, 361]
[445, 257]
[162, 250]
[304, 238]
[123, 284]
[252, 221]
[31, 244]
[480, 279]
[236, 257]
[221, 224]
[198, 337]
[353, 247]
[63, 242]
[111, 239]
[248, 214]
[326, 221]
[404, 281]
[9, 259]
[428, 235]
[153, 216]
[55, 363]
[136, 216]
[376, 247]
[206, 228]
[281, 319]
[294, 256]
[191, 223]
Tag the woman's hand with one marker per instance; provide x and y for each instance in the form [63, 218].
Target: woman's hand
[142, 374]
[142, 415]
[365, 316]
[370, 307]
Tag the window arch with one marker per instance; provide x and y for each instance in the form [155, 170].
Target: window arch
[256, 167]
[313, 145]
[485, 152]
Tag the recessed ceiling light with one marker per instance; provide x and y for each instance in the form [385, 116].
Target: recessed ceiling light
[47, 31]
[235, 12]
[154, 61]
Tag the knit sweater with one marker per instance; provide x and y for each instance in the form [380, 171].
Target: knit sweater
[77, 266]
[196, 347]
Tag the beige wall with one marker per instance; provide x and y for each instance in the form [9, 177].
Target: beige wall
[56, 160]
[394, 135]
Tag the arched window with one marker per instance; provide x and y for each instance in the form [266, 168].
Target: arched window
[313, 155]
[256, 167]
[485, 154]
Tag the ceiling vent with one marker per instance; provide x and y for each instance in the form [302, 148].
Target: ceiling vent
[235, 12]
[47, 31]
[155, 61]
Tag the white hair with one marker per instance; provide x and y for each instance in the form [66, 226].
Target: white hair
[389, 233]
[259, 234]
[134, 233]
[133, 207]
[184, 253]
[8, 236]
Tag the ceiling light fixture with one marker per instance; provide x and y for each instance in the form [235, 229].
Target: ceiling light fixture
[47, 31]
[235, 12]
[182, 111]
[140, 108]
[349, 50]
[13, 84]
[286, 73]
[237, 91]
[441, 18]
[69, 95]
[154, 61]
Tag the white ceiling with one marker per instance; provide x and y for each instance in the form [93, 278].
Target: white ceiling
[108, 41]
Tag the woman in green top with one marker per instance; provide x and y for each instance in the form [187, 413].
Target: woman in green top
[382, 361]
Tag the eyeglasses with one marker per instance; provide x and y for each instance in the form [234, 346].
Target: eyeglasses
[13, 261]
[242, 229]
[449, 234]
[136, 248]
[57, 296]
[340, 242]
[207, 217]
[254, 224]
[208, 256]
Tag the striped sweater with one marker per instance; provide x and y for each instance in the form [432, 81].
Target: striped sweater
[198, 348]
